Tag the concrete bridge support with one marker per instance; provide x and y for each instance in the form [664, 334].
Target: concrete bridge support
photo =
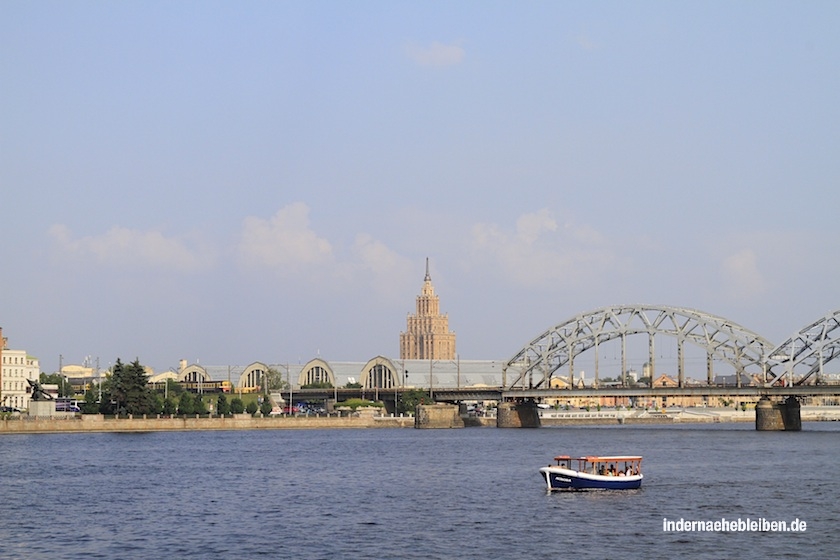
[437, 416]
[517, 415]
[778, 416]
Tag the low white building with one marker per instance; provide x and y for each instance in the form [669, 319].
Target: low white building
[379, 372]
[18, 368]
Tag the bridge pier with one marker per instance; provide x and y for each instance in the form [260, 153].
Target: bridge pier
[778, 416]
[518, 415]
[437, 416]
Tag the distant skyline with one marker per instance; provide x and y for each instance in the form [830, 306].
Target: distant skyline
[233, 182]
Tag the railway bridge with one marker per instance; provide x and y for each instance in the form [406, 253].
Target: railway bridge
[786, 371]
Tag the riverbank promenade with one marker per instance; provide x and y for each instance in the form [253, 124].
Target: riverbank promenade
[99, 423]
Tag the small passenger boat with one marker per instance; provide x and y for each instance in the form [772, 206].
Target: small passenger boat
[620, 472]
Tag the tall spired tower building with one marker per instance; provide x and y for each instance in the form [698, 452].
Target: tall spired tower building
[427, 335]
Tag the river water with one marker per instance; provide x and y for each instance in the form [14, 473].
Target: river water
[405, 493]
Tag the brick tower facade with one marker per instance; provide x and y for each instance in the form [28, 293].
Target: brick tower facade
[427, 335]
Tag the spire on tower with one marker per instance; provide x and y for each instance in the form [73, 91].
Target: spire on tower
[427, 335]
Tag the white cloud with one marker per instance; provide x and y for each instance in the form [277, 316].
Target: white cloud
[529, 227]
[374, 255]
[380, 267]
[123, 246]
[283, 242]
[286, 244]
[436, 54]
[538, 253]
[742, 277]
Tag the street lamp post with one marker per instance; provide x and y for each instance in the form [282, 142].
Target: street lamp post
[397, 380]
[291, 401]
[431, 381]
[377, 377]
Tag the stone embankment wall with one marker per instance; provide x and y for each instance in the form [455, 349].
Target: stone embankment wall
[98, 423]
[437, 416]
[428, 416]
[771, 416]
[518, 415]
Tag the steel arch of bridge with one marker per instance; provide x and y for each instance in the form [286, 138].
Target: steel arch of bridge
[557, 347]
[801, 358]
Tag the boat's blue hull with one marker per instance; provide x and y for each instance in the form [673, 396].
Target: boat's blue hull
[562, 479]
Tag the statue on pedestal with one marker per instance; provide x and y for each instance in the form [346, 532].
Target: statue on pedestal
[38, 393]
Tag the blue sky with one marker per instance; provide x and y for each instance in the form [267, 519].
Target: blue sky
[231, 182]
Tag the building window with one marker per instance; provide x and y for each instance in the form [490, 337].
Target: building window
[379, 376]
[317, 374]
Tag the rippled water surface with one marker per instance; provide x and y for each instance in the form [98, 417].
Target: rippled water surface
[405, 493]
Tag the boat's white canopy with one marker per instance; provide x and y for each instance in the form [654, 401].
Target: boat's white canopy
[613, 458]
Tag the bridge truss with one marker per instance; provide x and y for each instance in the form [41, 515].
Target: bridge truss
[801, 358]
[535, 364]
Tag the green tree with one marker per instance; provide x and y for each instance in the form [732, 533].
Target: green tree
[91, 406]
[186, 404]
[65, 389]
[411, 398]
[237, 406]
[319, 385]
[363, 403]
[265, 406]
[130, 389]
[251, 408]
[275, 381]
[157, 404]
[199, 406]
[173, 388]
[222, 405]
[106, 405]
[169, 406]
